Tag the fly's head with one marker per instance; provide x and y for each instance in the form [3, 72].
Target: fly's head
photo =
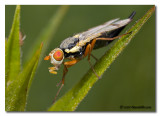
[56, 56]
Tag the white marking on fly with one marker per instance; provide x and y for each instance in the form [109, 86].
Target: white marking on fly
[67, 50]
[73, 50]
[76, 36]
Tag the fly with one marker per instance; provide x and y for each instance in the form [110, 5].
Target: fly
[81, 45]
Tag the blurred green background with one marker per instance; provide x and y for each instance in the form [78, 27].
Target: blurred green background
[130, 80]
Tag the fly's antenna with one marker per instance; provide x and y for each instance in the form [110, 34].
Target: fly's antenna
[132, 15]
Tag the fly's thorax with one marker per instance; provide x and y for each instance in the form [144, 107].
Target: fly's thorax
[73, 45]
[70, 45]
[57, 57]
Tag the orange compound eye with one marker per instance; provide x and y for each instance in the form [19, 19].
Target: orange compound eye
[58, 55]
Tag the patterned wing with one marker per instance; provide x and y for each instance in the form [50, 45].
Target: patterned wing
[95, 29]
[99, 30]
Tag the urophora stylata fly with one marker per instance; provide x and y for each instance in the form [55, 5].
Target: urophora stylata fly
[80, 45]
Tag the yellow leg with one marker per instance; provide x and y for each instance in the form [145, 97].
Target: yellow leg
[93, 43]
[88, 52]
[71, 63]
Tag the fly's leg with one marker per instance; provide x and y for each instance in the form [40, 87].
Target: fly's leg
[92, 46]
[88, 52]
[94, 57]
[65, 70]
[113, 37]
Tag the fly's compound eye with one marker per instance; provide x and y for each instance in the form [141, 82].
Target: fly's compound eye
[58, 55]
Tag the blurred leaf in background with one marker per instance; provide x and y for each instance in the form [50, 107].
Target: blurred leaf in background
[134, 86]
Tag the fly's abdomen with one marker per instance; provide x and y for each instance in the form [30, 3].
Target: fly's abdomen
[114, 33]
[103, 43]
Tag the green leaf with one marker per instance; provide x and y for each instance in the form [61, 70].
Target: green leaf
[12, 52]
[49, 31]
[17, 88]
[16, 92]
[71, 100]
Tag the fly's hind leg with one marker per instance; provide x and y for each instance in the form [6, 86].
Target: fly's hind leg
[88, 50]
[65, 70]
[113, 38]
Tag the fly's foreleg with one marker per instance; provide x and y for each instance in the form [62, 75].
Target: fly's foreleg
[65, 70]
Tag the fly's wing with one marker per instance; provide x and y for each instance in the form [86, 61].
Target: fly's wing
[94, 29]
[99, 30]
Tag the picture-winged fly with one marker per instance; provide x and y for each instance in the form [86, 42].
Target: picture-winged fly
[79, 46]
